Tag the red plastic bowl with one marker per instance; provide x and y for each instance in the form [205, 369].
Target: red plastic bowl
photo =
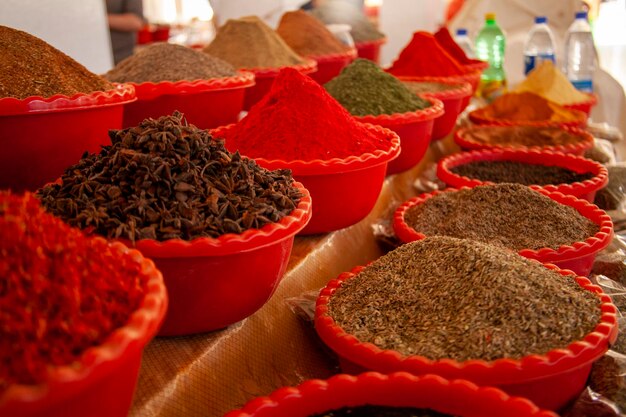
[329, 66]
[205, 103]
[102, 382]
[41, 137]
[578, 256]
[584, 106]
[477, 116]
[370, 49]
[477, 65]
[586, 189]
[215, 282]
[452, 102]
[463, 139]
[264, 78]
[400, 389]
[414, 130]
[336, 185]
[549, 380]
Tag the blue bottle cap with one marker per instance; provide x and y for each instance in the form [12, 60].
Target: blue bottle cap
[541, 19]
[461, 32]
[581, 15]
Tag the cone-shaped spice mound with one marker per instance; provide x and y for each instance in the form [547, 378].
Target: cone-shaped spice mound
[169, 62]
[341, 11]
[444, 38]
[165, 179]
[424, 56]
[550, 83]
[299, 120]
[249, 43]
[31, 67]
[308, 36]
[529, 107]
[453, 298]
[363, 88]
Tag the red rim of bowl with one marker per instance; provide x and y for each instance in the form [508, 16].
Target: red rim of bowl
[464, 89]
[576, 148]
[435, 110]
[477, 118]
[477, 65]
[590, 102]
[307, 67]
[334, 165]
[338, 56]
[574, 250]
[150, 90]
[141, 327]
[229, 243]
[346, 390]
[501, 371]
[373, 42]
[121, 94]
[531, 156]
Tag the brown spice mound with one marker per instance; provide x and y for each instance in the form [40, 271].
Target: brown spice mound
[307, 35]
[420, 87]
[454, 298]
[522, 136]
[249, 43]
[31, 67]
[169, 62]
[510, 215]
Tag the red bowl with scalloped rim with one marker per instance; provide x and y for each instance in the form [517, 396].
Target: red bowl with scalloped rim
[400, 389]
[477, 65]
[264, 78]
[478, 116]
[337, 185]
[370, 49]
[215, 282]
[584, 106]
[585, 189]
[102, 382]
[414, 130]
[472, 138]
[578, 256]
[205, 103]
[329, 66]
[550, 380]
[452, 100]
[41, 137]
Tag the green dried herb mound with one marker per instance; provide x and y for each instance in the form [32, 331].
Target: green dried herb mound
[164, 180]
[363, 88]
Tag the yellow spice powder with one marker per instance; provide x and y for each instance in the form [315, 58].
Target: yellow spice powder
[549, 82]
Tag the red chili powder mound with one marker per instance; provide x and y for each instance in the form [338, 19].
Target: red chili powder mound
[448, 43]
[60, 291]
[299, 120]
[424, 56]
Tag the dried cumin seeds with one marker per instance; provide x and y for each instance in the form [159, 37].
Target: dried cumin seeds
[511, 215]
[165, 179]
[453, 298]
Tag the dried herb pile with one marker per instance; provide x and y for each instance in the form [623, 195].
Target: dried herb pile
[31, 67]
[453, 298]
[380, 411]
[363, 88]
[520, 173]
[165, 179]
[510, 215]
[169, 62]
[60, 291]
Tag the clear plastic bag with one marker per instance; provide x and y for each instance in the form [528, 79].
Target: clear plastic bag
[602, 151]
[613, 197]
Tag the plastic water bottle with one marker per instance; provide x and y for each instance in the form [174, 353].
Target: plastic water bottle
[490, 45]
[464, 42]
[539, 45]
[580, 54]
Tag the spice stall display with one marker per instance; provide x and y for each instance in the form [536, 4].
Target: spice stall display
[170, 78]
[249, 44]
[299, 126]
[75, 315]
[52, 109]
[308, 36]
[410, 310]
[203, 214]
[373, 96]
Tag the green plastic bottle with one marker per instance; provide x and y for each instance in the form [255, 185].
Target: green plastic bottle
[490, 46]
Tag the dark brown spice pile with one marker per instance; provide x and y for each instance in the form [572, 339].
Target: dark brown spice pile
[523, 136]
[520, 173]
[169, 62]
[165, 179]
[420, 87]
[510, 215]
[454, 298]
[380, 411]
[31, 67]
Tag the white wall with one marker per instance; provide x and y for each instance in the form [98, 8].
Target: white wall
[76, 27]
